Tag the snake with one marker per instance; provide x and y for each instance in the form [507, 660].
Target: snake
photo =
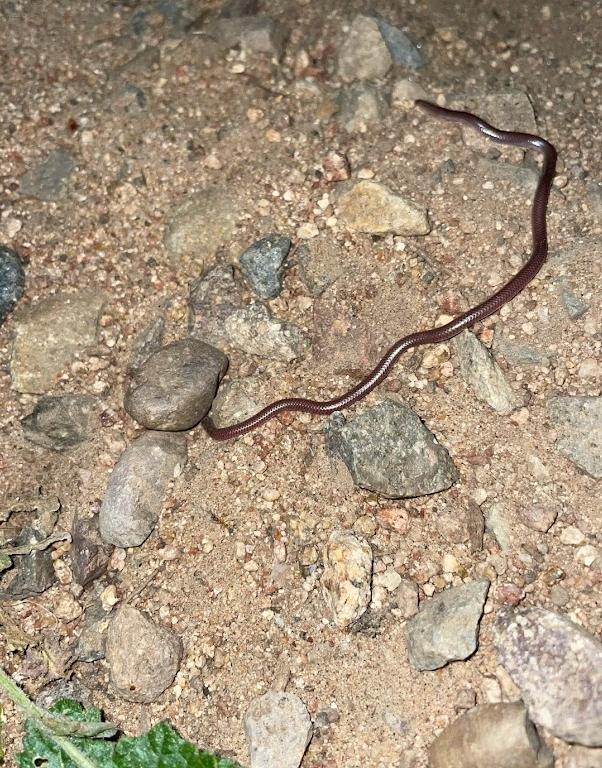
[442, 333]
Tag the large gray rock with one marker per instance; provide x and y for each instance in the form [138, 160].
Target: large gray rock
[134, 496]
[389, 450]
[364, 55]
[446, 627]
[278, 729]
[579, 423]
[12, 280]
[557, 666]
[403, 51]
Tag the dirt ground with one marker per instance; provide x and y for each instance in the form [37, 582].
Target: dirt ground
[241, 625]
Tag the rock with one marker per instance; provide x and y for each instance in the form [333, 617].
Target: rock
[278, 729]
[407, 598]
[403, 51]
[574, 305]
[582, 757]
[235, 8]
[572, 536]
[214, 296]
[557, 666]
[253, 34]
[500, 524]
[59, 422]
[364, 55]
[320, 264]
[33, 573]
[173, 390]
[232, 404]
[446, 627]
[371, 207]
[579, 424]
[519, 354]
[263, 265]
[201, 223]
[143, 658]
[388, 450]
[361, 104]
[498, 735]
[64, 689]
[484, 375]
[89, 553]
[49, 179]
[147, 342]
[335, 166]
[137, 485]
[539, 516]
[92, 634]
[521, 176]
[405, 92]
[49, 335]
[346, 577]
[12, 280]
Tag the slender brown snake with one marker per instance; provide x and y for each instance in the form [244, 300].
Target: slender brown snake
[445, 332]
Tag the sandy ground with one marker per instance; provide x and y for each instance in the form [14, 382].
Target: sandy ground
[240, 627]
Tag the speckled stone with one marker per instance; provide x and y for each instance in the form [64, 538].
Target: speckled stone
[263, 265]
[12, 280]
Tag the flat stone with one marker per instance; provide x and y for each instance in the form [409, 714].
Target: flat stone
[370, 207]
[360, 105]
[446, 626]
[278, 729]
[403, 51]
[579, 423]
[92, 634]
[346, 578]
[12, 280]
[136, 487]
[173, 390]
[364, 55]
[387, 449]
[59, 422]
[263, 265]
[557, 665]
[49, 335]
[49, 179]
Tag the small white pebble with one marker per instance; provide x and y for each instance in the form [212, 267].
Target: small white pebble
[307, 231]
[572, 536]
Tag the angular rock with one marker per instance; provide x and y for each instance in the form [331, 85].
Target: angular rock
[201, 223]
[574, 304]
[484, 375]
[92, 634]
[405, 92]
[49, 179]
[232, 404]
[214, 296]
[361, 104]
[89, 553]
[32, 573]
[49, 335]
[143, 658]
[579, 424]
[320, 264]
[388, 450]
[147, 342]
[136, 487]
[59, 422]
[497, 735]
[370, 207]
[364, 55]
[173, 390]
[539, 516]
[557, 666]
[278, 729]
[403, 51]
[263, 265]
[446, 627]
[253, 34]
[346, 577]
[406, 596]
[12, 280]
[519, 354]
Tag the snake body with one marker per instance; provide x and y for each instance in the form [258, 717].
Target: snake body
[445, 332]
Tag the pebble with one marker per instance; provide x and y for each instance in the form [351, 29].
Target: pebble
[278, 730]
[406, 596]
[335, 166]
[346, 578]
[147, 342]
[143, 658]
[559, 596]
[49, 335]
[480, 370]
[49, 179]
[574, 305]
[136, 487]
[360, 105]
[199, 224]
[173, 390]
[90, 555]
[579, 423]
[33, 573]
[320, 264]
[498, 735]
[372, 208]
[587, 555]
[12, 280]
[59, 422]
[572, 536]
[387, 449]
[390, 580]
[539, 517]
[446, 627]
[307, 231]
[364, 55]
[263, 265]
[519, 354]
[403, 51]
[92, 634]
[405, 92]
[557, 666]
[252, 34]
[232, 404]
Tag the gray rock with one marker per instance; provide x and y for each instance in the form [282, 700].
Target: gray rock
[48, 180]
[346, 578]
[403, 51]
[497, 735]
[446, 627]
[364, 54]
[214, 296]
[370, 207]
[64, 689]
[49, 335]
[136, 487]
[232, 404]
[253, 34]
[360, 105]
[579, 424]
[278, 729]
[519, 354]
[59, 422]
[484, 375]
[557, 666]
[143, 658]
[92, 634]
[12, 280]
[173, 390]
[388, 450]
[574, 305]
[89, 553]
[175, 13]
[33, 573]
[263, 265]
[147, 342]
[201, 223]
[320, 264]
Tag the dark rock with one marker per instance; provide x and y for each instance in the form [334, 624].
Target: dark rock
[34, 572]
[403, 51]
[59, 422]
[64, 689]
[89, 553]
[147, 342]
[12, 280]
[48, 180]
[92, 634]
[263, 265]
